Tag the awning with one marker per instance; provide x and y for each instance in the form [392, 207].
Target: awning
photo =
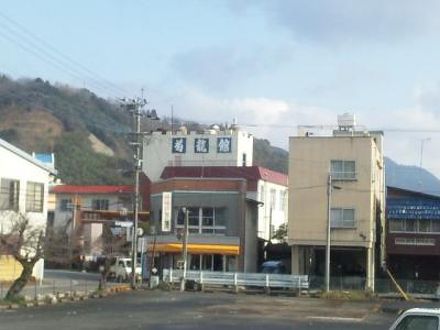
[224, 249]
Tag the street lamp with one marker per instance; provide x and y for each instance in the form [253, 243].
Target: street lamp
[184, 249]
[330, 187]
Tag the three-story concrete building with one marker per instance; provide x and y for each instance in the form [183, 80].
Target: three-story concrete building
[349, 165]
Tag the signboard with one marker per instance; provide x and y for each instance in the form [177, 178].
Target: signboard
[166, 211]
[224, 145]
[178, 145]
[201, 146]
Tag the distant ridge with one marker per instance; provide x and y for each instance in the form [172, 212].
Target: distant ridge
[411, 178]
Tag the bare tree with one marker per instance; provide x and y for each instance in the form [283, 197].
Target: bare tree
[113, 247]
[25, 243]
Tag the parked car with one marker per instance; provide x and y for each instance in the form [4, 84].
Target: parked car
[273, 267]
[120, 269]
[418, 318]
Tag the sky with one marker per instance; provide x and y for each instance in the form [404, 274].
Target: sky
[270, 64]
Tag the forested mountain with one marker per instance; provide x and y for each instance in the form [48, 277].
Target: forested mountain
[89, 135]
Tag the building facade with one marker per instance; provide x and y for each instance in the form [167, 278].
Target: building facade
[24, 189]
[413, 235]
[349, 164]
[213, 147]
[80, 211]
[222, 224]
[263, 185]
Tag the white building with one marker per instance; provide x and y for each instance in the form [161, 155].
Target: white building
[24, 189]
[213, 147]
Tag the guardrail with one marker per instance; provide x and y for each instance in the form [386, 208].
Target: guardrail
[267, 281]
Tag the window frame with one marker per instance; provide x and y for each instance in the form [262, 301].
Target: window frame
[97, 204]
[342, 223]
[33, 204]
[415, 226]
[12, 196]
[201, 227]
[66, 204]
[343, 174]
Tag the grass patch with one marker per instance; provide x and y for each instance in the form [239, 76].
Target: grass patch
[164, 286]
[352, 295]
[19, 300]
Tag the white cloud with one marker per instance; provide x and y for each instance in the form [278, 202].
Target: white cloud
[340, 21]
[273, 119]
[224, 67]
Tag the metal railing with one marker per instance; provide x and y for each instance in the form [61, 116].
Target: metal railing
[238, 279]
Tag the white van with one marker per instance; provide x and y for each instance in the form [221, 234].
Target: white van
[120, 269]
[418, 318]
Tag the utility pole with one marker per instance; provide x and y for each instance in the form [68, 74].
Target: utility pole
[135, 107]
[327, 246]
[330, 188]
[72, 236]
[184, 250]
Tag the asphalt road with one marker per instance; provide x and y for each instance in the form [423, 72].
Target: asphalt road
[59, 274]
[175, 310]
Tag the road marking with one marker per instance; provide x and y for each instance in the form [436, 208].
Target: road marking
[335, 318]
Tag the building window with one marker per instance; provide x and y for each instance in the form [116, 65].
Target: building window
[342, 218]
[9, 194]
[34, 197]
[283, 200]
[100, 204]
[343, 170]
[66, 204]
[436, 226]
[243, 160]
[424, 226]
[414, 226]
[203, 220]
[414, 241]
[396, 225]
[273, 198]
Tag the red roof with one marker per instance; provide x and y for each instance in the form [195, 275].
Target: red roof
[245, 172]
[71, 189]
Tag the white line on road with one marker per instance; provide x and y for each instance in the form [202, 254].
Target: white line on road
[335, 318]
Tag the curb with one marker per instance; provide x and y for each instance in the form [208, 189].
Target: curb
[68, 297]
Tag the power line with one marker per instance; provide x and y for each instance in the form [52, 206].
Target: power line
[31, 43]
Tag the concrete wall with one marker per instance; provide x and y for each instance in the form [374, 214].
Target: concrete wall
[229, 200]
[309, 166]
[269, 214]
[250, 238]
[157, 153]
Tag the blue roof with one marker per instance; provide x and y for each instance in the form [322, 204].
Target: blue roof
[413, 208]
[46, 158]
